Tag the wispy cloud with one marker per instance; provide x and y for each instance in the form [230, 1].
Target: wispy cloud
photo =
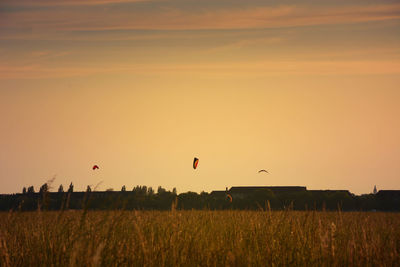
[246, 43]
[207, 39]
[264, 68]
[66, 3]
[175, 18]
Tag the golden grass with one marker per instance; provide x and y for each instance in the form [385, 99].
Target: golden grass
[199, 238]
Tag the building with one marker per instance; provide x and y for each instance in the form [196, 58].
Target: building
[245, 191]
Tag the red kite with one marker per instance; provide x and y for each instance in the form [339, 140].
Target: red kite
[95, 167]
[195, 162]
[263, 171]
[229, 197]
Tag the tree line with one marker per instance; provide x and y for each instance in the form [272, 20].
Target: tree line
[146, 198]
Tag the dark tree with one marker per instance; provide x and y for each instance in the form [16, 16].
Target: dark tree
[71, 188]
[161, 190]
[44, 188]
[150, 191]
[174, 191]
[88, 189]
[31, 189]
[61, 189]
[123, 189]
[140, 190]
[24, 190]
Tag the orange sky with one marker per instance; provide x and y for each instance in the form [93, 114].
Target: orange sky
[305, 89]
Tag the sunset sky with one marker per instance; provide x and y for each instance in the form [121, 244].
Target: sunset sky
[309, 90]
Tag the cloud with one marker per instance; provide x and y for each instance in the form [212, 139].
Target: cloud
[48, 22]
[156, 28]
[245, 69]
[66, 3]
[251, 18]
[247, 42]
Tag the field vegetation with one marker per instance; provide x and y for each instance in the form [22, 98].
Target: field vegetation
[199, 238]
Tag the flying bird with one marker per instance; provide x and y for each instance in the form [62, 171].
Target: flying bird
[263, 171]
[95, 167]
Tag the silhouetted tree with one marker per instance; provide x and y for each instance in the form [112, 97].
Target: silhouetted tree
[140, 191]
[88, 189]
[161, 190]
[150, 191]
[60, 189]
[123, 189]
[31, 189]
[44, 188]
[71, 188]
[24, 190]
[174, 191]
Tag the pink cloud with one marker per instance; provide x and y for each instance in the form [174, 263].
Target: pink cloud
[45, 21]
[261, 17]
[52, 3]
[254, 68]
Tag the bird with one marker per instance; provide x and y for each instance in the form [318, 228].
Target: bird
[95, 167]
[263, 171]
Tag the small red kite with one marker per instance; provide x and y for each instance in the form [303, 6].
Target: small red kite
[195, 162]
[95, 167]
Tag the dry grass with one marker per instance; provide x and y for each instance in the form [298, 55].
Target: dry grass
[199, 238]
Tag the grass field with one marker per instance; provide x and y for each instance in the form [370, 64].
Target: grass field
[199, 238]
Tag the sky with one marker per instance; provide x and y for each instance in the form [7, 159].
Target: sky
[308, 90]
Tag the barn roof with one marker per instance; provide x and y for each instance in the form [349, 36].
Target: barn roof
[250, 189]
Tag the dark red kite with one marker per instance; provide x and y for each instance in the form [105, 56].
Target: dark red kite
[95, 167]
[195, 162]
[229, 197]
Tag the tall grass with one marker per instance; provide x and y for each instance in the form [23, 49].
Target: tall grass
[199, 238]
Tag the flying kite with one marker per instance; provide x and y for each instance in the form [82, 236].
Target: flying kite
[263, 171]
[229, 197]
[195, 162]
[95, 167]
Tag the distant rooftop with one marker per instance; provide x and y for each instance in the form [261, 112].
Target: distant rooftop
[243, 190]
[248, 189]
[324, 192]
